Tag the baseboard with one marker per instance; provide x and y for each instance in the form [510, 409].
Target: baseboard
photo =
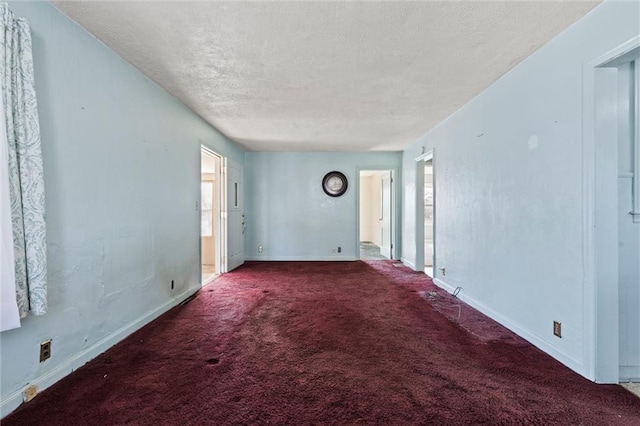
[408, 264]
[15, 399]
[571, 362]
[300, 259]
[629, 373]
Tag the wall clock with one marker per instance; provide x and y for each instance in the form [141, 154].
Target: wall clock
[334, 184]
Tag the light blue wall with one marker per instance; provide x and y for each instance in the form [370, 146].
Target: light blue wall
[509, 206]
[289, 214]
[122, 177]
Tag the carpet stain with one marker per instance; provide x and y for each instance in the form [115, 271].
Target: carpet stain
[333, 343]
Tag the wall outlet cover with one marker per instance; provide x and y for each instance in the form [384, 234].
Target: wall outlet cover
[45, 350]
[557, 329]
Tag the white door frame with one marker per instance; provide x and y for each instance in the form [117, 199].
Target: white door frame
[219, 215]
[600, 204]
[420, 160]
[394, 210]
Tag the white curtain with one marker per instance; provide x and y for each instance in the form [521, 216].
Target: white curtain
[26, 178]
[9, 316]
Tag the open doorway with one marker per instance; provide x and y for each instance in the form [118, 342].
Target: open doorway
[612, 224]
[428, 200]
[211, 235]
[375, 229]
[629, 220]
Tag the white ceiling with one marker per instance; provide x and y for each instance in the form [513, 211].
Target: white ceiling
[325, 76]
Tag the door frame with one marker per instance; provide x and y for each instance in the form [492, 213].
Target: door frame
[420, 160]
[600, 254]
[219, 215]
[394, 207]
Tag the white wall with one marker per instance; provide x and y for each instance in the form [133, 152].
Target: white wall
[290, 216]
[509, 186]
[122, 177]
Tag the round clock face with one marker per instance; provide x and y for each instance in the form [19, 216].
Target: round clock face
[334, 184]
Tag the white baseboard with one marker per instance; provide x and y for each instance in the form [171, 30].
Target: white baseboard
[408, 264]
[300, 259]
[629, 373]
[15, 399]
[571, 362]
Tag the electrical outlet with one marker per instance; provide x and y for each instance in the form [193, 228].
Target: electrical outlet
[339, 249]
[557, 329]
[29, 393]
[333, 250]
[260, 249]
[45, 350]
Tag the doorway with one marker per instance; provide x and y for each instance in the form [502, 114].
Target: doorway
[211, 235]
[629, 221]
[612, 223]
[429, 232]
[375, 221]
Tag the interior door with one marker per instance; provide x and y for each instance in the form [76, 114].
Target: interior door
[236, 224]
[386, 244]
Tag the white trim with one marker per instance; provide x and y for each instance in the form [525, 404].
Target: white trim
[419, 209]
[219, 213]
[571, 362]
[618, 55]
[15, 399]
[425, 157]
[588, 219]
[591, 285]
[636, 144]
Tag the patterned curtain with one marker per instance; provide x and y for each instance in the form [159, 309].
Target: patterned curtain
[26, 179]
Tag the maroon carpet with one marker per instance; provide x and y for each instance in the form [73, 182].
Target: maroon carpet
[326, 343]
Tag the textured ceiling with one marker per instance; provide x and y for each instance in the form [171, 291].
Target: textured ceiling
[325, 76]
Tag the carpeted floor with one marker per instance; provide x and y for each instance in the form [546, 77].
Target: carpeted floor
[326, 343]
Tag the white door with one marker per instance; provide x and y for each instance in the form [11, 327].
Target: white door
[386, 244]
[235, 215]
